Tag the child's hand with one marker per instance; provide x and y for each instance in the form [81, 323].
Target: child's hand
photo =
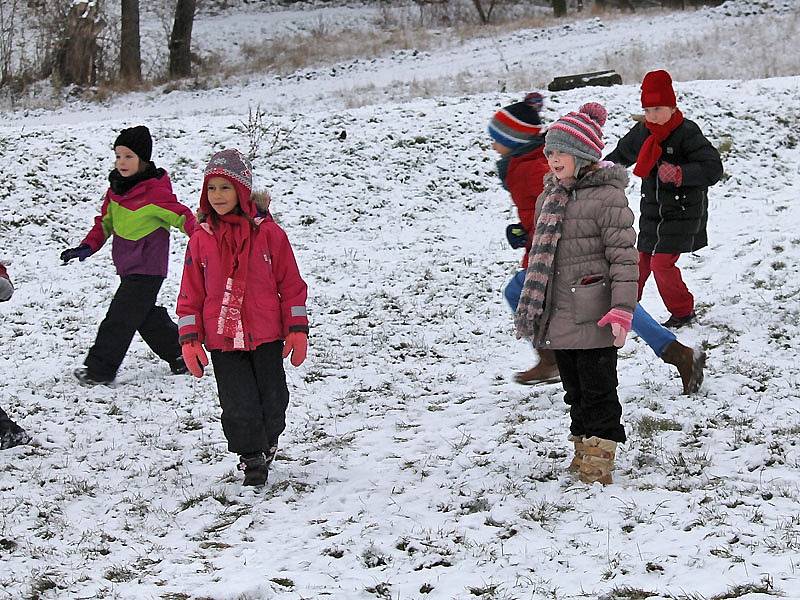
[670, 174]
[296, 344]
[621, 321]
[516, 235]
[195, 357]
[82, 252]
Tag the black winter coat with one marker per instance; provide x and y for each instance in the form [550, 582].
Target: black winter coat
[673, 219]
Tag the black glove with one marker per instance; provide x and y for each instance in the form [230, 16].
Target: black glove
[82, 252]
[516, 235]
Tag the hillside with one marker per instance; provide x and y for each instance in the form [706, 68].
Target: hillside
[412, 466]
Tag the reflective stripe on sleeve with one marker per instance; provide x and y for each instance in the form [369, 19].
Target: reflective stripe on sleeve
[187, 320]
[299, 311]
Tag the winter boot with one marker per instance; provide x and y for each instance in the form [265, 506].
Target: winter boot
[12, 434]
[255, 469]
[580, 450]
[87, 378]
[546, 371]
[598, 460]
[677, 322]
[178, 366]
[690, 363]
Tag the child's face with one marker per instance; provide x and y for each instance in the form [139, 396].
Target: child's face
[500, 149]
[658, 114]
[561, 164]
[127, 162]
[222, 195]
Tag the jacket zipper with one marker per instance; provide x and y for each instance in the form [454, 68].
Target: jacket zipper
[660, 216]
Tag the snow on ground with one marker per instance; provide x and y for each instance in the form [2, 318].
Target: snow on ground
[412, 467]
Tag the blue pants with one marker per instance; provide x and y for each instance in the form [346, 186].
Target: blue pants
[645, 326]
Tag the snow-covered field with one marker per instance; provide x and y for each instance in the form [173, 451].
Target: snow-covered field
[412, 466]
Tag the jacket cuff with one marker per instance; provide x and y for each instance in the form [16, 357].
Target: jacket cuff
[298, 328]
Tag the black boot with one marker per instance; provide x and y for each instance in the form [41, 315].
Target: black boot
[178, 366]
[12, 434]
[86, 377]
[255, 469]
[690, 363]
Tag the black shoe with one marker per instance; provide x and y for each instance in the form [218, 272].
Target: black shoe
[12, 435]
[677, 322]
[86, 377]
[255, 469]
[178, 366]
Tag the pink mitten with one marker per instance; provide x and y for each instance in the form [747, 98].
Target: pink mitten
[621, 321]
[670, 174]
[195, 357]
[296, 344]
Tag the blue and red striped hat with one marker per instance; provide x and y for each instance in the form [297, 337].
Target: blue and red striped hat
[517, 124]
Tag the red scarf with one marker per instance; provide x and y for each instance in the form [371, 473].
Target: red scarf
[651, 149]
[233, 241]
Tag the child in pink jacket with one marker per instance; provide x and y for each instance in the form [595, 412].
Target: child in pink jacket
[242, 297]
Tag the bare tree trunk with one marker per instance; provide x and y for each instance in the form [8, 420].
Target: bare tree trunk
[180, 42]
[130, 53]
[481, 12]
[77, 57]
[559, 8]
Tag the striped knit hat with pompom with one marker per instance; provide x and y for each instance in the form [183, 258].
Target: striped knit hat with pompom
[579, 133]
[517, 124]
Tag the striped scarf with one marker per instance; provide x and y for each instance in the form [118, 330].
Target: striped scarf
[540, 259]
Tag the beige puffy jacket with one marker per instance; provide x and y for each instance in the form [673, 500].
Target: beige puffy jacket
[596, 263]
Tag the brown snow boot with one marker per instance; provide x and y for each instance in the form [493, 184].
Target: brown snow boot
[575, 465]
[546, 371]
[598, 460]
[690, 363]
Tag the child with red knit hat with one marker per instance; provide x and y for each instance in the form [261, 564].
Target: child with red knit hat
[677, 165]
[242, 297]
[579, 293]
[518, 137]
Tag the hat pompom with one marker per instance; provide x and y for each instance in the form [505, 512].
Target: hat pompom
[534, 99]
[596, 111]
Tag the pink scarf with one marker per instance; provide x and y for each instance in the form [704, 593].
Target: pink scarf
[233, 241]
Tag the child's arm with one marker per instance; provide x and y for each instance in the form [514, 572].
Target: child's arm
[101, 230]
[178, 215]
[703, 167]
[291, 287]
[616, 220]
[627, 150]
[6, 287]
[191, 298]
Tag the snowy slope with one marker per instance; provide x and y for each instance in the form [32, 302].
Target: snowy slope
[411, 467]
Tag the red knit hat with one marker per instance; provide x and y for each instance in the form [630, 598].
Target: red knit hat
[657, 90]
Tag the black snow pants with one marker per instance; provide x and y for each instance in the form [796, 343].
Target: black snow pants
[133, 309]
[253, 396]
[589, 378]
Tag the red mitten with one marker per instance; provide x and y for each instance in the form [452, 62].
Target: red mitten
[296, 344]
[670, 174]
[621, 321]
[195, 357]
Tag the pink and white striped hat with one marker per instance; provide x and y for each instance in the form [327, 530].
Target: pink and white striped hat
[579, 133]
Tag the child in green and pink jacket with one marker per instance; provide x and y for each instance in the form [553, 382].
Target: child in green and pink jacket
[138, 211]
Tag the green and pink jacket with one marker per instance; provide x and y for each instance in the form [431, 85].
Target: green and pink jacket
[139, 220]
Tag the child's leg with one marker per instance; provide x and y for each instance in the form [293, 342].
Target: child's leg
[272, 388]
[651, 331]
[601, 410]
[677, 298]
[513, 289]
[239, 399]
[570, 380]
[161, 334]
[130, 306]
[644, 271]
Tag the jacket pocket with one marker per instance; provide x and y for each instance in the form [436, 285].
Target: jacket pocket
[591, 298]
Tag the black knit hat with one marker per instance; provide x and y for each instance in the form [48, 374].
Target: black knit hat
[137, 139]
